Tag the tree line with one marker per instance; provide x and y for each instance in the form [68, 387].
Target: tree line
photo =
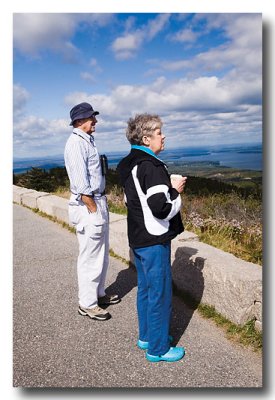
[55, 178]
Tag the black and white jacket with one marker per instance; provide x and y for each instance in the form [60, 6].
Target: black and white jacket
[153, 205]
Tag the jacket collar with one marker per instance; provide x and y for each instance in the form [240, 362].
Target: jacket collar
[145, 149]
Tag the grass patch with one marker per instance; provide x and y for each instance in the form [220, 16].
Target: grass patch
[246, 334]
[249, 250]
[62, 192]
[52, 218]
[228, 222]
[117, 209]
[113, 254]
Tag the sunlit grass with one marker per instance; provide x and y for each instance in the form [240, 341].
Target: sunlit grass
[245, 334]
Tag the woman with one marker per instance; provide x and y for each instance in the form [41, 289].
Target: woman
[153, 203]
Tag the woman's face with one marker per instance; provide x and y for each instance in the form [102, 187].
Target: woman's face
[155, 142]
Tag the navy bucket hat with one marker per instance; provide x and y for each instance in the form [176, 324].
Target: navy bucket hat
[81, 111]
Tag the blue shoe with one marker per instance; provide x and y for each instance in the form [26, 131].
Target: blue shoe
[144, 345]
[174, 354]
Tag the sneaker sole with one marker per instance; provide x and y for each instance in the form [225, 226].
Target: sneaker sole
[159, 359]
[96, 317]
[151, 358]
[109, 303]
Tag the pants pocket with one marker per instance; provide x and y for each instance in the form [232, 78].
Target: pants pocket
[82, 219]
[102, 210]
[75, 217]
[95, 218]
[95, 232]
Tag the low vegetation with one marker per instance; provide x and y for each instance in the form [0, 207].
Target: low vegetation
[245, 334]
[229, 222]
[227, 215]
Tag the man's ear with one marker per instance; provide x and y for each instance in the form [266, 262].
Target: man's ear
[79, 122]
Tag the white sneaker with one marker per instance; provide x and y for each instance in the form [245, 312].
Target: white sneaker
[95, 313]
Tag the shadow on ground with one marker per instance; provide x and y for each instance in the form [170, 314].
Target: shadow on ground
[188, 286]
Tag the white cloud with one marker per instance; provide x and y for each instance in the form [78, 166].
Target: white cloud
[241, 51]
[190, 108]
[125, 46]
[48, 31]
[243, 29]
[165, 96]
[20, 98]
[95, 66]
[185, 35]
[93, 62]
[52, 31]
[156, 25]
[87, 76]
[195, 112]
[128, 44]
[204, 93]
[36, 135]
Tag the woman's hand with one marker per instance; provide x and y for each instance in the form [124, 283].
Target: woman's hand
[178, 182]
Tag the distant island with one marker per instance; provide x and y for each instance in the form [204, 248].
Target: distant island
[197, 159]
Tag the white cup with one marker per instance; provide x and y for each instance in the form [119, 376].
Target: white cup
[175, 176]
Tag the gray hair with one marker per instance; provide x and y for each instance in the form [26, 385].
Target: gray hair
[142, 125]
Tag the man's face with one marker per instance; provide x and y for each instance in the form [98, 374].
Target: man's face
[88, 125]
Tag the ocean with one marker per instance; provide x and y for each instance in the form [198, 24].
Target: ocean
[244, 157]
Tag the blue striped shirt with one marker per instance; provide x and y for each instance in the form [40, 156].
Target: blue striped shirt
[83, 164]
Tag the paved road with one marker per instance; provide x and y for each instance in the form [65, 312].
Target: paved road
[55, 347]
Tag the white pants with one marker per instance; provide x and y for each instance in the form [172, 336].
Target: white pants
[92, 230]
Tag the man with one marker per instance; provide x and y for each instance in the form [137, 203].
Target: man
[88, 212]
[153, 204]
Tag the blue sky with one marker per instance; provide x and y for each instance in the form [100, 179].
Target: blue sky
[201, 73]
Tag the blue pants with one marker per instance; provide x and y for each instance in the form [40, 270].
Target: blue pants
[154, 296]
